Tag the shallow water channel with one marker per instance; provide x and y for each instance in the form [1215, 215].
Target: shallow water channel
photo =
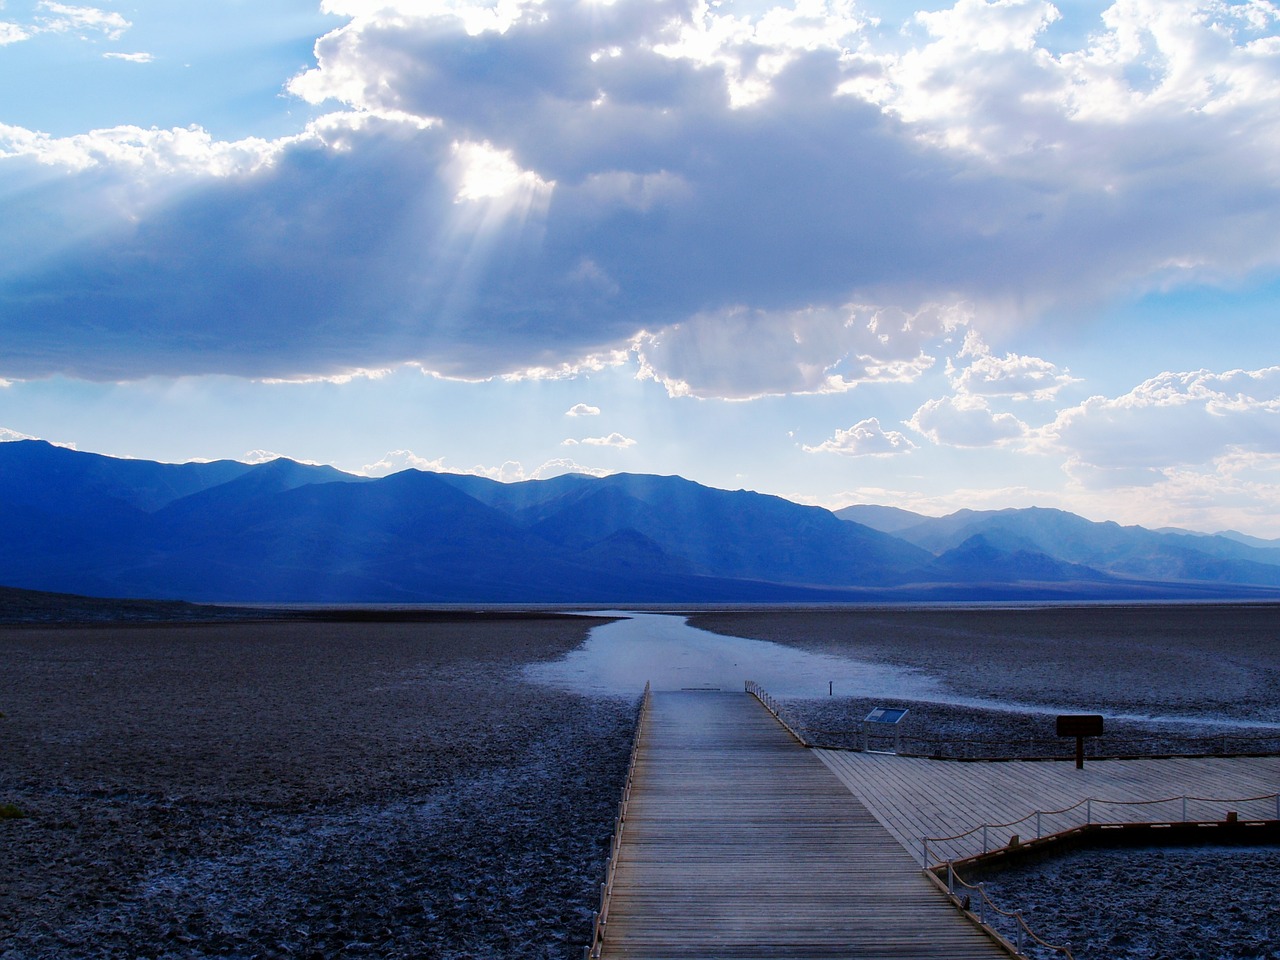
[618, 658]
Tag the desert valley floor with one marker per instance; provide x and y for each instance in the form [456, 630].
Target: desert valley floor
[300, 788]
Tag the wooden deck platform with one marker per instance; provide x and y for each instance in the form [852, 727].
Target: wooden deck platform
[739, 843]
[915, 798]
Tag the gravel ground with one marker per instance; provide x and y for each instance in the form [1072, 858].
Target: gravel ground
[301, 790]
[392, 789]
[1160, 903]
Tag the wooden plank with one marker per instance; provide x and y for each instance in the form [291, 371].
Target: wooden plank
[739, 843]
[915, 798]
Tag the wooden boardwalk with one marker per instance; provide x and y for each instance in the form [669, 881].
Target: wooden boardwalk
[916, 798]
[739, 843]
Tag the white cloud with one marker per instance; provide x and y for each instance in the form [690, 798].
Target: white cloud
[1173, 420]
[256, 457]
[63, 18]
[743, 354]
[750, 52]
[559, 466]
[486, 173]
[259, 456]
[1239, 490]
[130, 57]
[582, 410]
[568, 369]
[612, 440]
[866, 438]
[189, 150]
[513, 471]
[7, 435]
[1013, 375]
[966, 421]
[396, 461]
[12, 33]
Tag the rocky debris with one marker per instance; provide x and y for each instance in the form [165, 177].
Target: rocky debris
[1157, 903]
[373, 791]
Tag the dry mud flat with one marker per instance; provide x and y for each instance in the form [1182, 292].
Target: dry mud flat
[301, 790]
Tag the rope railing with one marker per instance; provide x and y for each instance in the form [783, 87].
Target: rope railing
[1016, 934]
[987, 837]
[592, 951]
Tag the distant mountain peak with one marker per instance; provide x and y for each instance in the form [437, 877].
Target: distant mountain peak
[288, 531]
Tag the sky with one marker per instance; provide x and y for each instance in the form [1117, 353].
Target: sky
[982, 254]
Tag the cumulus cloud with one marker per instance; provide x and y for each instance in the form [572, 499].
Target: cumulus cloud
[1170, 421]
[260, 456]
[396, 461]
[513, 471]
[1239, 490]
[612, 440]
[187, 151]
[866, 438]
[84, 21]
[12, 33]
[508, 189]
[7, 435]
[560, 466]
[966, 421]
[744, 354]
[582, 410]
[1013, 375]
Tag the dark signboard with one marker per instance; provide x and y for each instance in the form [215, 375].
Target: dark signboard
[1079, 725]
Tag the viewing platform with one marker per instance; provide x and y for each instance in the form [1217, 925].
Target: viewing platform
[739, 843]
[917, 798]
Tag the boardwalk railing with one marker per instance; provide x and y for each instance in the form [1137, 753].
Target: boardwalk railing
[862, 736]
[775, 707]
[1093, 811]
[606, 887]
[1008, 926]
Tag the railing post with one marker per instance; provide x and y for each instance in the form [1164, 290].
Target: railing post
[926, 853]
[951, 878]
[984, 838]
[1184, 809]
[1088, 810]
[1278, 806]
[1037, 824]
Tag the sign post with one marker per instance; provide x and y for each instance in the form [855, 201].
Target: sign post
[1079, 725]
[886, 719]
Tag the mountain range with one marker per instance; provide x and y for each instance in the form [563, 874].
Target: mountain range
[286, 532]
